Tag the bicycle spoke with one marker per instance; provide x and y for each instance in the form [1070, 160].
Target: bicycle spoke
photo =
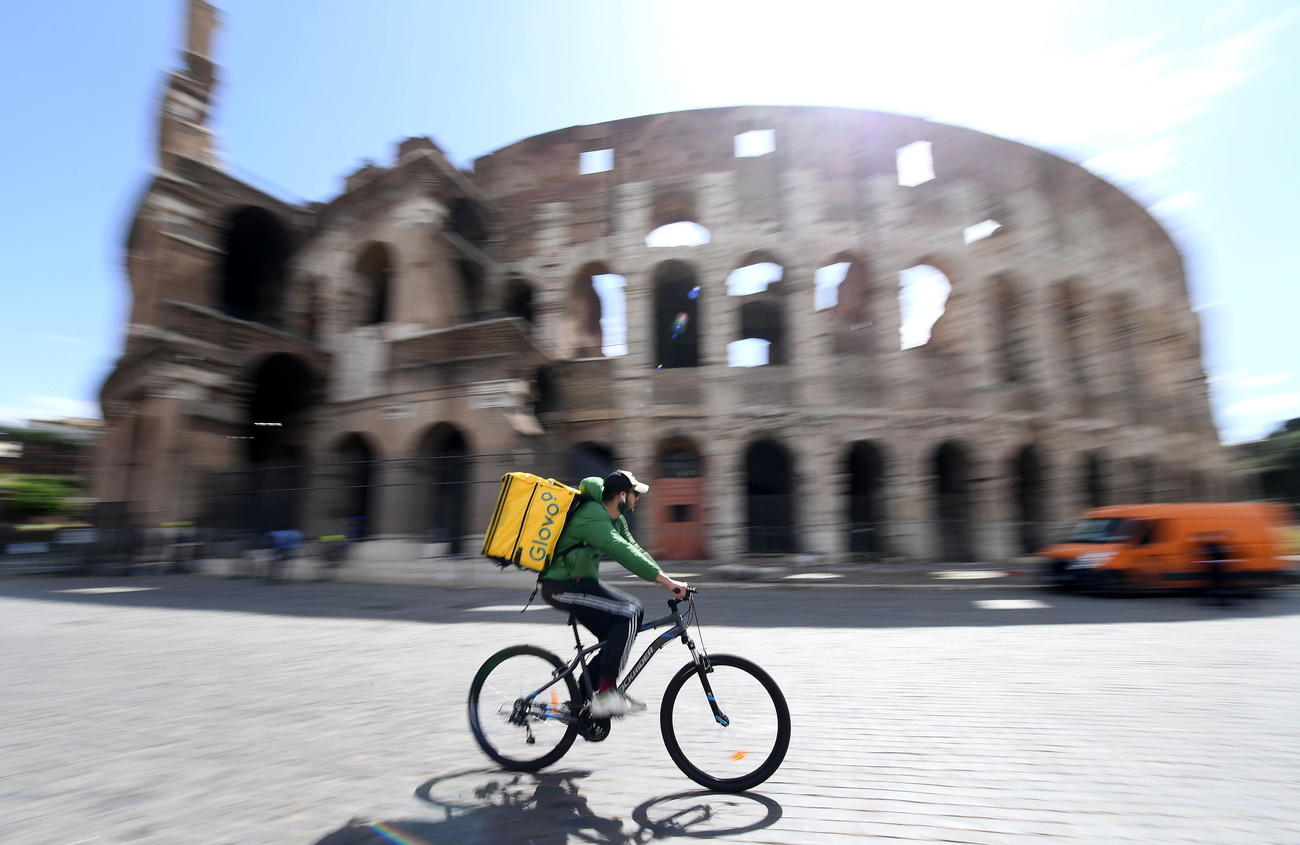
[749, 736]
[752, 743]
[504, 681]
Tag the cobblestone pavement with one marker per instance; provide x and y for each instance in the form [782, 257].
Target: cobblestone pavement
[212, 711]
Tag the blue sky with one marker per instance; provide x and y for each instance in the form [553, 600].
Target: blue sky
[1190, 106]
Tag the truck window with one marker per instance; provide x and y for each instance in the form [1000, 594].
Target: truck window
[1156, 531]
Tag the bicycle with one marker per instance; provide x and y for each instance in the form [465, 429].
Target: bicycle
[515, 706]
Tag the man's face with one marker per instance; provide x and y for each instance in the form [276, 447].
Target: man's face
[632, 498]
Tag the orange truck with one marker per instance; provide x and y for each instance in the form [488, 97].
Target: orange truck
[1160, 547]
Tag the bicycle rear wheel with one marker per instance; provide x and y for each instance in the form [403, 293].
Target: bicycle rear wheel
[522, 735]
[744, 752]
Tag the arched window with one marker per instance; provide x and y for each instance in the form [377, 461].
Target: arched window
[284, 390]
[864, 465]
[1028, 494]
[1010, 320]
[674, 218]
[444, 468]
[681, 233]
[1094, 488]
[518, 300]
[761, 335]
[953, 503]
[676, 316]
[253, 267]
[923, 293]
[679, 458]
[354, 478]
[769, 498]
[470, 275]
[590, 459]
[1127, 354]
[844, 290]
[1072, 327]
[546, 391]
[1142, 481]
[467, 220]
[375, 270]
[597, 312]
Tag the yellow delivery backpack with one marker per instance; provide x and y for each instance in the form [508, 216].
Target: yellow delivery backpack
[527, 521]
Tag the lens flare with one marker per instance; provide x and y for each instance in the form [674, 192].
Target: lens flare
[679, 324]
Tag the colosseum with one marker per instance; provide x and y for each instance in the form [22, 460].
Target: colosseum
[720, 300]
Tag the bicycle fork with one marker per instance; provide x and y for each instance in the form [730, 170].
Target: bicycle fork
[706, 668]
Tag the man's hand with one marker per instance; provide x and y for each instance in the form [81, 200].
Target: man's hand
[677, 588]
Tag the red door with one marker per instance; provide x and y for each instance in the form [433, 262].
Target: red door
[679, 519]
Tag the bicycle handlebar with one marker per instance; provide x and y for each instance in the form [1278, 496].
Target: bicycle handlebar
[674, 601]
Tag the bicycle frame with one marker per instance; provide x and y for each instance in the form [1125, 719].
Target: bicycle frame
[678, 629]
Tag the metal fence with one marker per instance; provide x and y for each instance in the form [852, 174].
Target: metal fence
[441, 503]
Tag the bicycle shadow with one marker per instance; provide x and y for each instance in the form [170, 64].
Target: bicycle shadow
[548, 808]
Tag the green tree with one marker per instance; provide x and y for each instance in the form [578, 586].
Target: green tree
[1276, 462]
[26, 496]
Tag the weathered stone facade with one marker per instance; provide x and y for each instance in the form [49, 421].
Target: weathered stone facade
[428, 313]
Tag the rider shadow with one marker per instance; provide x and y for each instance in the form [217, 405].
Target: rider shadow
[489, 805]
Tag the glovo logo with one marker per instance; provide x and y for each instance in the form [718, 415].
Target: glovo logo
[538, 544]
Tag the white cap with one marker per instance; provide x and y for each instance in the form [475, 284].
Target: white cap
[638, 487]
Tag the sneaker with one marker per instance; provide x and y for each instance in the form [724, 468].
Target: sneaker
[614, 703]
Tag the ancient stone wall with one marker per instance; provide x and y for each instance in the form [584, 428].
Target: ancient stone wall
[427, 329]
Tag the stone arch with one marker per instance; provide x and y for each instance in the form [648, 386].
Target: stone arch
[770, 490]
[673, 219]
[375, 270]
[1094, 490]
[1072, 327]
[467, 220]
[925, 292]
[444, 462]
[589, 458]
[676, 315]
[283, 392]
[1125, 336]
[314, 315]
[679, 502]
[256, 249]
[547, 391]
[672, 204]
[759, 279]
[473, 283]
[1142, 480]
[865, 497]
[950, 473]
[1028, 493]
[518, 299]
[1010, 322]
[586, 316]
[854, 310]
[355, 457]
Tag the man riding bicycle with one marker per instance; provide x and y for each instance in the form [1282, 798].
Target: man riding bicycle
[598, 528]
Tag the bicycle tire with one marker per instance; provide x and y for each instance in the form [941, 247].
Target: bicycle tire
[780, 745]
[514, 763]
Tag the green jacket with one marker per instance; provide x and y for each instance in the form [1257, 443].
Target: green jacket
[604, 537]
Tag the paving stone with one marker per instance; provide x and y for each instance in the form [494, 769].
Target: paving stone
[212, 712]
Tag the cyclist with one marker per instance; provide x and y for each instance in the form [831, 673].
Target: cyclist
[598, 528]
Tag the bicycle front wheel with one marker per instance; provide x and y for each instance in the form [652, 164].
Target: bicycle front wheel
[522, 734]
[749, 747]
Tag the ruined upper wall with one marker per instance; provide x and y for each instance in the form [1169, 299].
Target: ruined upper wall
[853, 152]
